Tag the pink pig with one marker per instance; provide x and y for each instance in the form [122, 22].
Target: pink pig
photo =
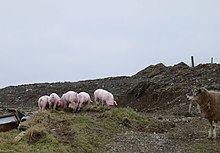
[83, 99]
[53, 100]
[104, 97]
[43, 103]
[69, 99]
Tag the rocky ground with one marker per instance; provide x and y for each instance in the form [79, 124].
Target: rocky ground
[178, 135]
[157, 91]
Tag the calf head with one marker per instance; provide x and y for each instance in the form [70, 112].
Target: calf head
[195, 93]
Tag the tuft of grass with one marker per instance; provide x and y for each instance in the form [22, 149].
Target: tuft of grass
[99, 108]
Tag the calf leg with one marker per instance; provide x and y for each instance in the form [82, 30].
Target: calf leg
[190, 107]
[198, 108]
[210, 130]
[214, 129]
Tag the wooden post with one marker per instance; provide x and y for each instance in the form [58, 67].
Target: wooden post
[212, 60]
[192, 61]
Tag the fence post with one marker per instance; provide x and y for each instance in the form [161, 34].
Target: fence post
[192, 61]
[212, 60]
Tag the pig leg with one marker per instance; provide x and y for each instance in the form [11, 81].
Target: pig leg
[96, 101]
[79, 106]
[55, 105]
[44, 107]
[50, 105]
[39, 105]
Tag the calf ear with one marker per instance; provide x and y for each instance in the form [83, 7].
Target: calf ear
[202, 90]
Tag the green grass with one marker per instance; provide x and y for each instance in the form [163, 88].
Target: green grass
[59, 131]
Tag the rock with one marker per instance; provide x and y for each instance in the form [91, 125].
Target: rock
[19, 136]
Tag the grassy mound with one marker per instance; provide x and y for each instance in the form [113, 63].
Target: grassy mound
[87, 131]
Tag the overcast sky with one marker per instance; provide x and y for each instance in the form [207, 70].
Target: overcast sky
[71, 40]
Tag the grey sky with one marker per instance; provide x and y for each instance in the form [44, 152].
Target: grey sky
[71, 40]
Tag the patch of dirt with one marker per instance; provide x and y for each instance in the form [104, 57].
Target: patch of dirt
[35, 136]
[62, 131]
[157, 91]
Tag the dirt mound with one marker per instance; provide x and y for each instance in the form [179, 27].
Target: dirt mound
[155, 87]
[162, 87]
